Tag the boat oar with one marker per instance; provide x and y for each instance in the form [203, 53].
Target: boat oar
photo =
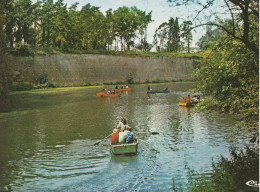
[99, 141]
[153, 133]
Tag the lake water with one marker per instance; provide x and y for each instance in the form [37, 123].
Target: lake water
[47, 141]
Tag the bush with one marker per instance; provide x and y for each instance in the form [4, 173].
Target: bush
[130, 79]
[228, 175]
[21, 87]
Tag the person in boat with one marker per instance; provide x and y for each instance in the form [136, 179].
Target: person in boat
[122, 125]
[113, 91]
[114, 136]
[129, 136]
[188, 99]
[116, 87]
[183, 99]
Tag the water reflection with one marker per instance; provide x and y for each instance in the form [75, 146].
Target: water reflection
[47, 142]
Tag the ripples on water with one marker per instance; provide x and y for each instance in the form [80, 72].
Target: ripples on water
[47, 143]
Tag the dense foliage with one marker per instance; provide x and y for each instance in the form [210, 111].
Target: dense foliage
[52, 24]
[168, 35]
[228, 175]
[230, 75]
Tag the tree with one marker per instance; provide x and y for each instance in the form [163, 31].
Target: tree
[241, 13]
[4, 94]
[208, 40]
[94, 28]
[168, 35]
[125, 25]
[186, 34]
[143, 20]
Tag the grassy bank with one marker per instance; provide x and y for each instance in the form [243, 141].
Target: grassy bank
[25, 50]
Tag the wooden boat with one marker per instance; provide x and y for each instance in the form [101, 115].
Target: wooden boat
[111, 95]
[158, 91]
[124, 89]
[99, 94]
[125, 148]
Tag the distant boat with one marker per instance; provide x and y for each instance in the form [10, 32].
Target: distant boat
[125, 148]
[158, 91]
[123, 89]
[111, 95]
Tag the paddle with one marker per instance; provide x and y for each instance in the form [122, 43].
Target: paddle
[99, 141]
[153, 133]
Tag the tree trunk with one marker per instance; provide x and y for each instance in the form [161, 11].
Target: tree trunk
[4, 93]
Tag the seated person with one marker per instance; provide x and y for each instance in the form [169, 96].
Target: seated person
[129, 136]
[188, 99]
[121, 137]
[114, 136]
[122, 124]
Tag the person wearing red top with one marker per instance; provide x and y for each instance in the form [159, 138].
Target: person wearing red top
[114, 136]
[183, 99]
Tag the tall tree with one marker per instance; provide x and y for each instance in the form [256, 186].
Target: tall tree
[4, 94]
[168, 35]
[186, 34]
[241, 13]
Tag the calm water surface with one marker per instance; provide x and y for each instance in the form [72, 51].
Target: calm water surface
[46, 142]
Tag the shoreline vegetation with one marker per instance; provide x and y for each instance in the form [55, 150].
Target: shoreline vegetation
[27, 50]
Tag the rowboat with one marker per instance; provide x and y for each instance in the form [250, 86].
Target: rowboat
[125, 148]
[124, 89]
[99, 94]
[111, 95]
[158, 91]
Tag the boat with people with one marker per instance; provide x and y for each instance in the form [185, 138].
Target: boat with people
[124, 148]
[99, 94]
[158, 91]
[189, 102]
[122, 88]
[107, 93]
[111, 95]
[123, 140]
[186, 104]
[165, 90]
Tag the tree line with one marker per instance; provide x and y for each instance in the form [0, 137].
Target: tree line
[53, 24]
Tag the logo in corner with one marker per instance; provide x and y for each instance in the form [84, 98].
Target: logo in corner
[252, 183]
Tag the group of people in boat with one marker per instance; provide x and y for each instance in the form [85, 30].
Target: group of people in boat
[195, 98]
[113, 91]
[122, 87]
[149, 88]
[122, 133]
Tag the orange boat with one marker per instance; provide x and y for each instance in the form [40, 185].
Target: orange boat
[111, 95]
[124, 89]
[99, 94]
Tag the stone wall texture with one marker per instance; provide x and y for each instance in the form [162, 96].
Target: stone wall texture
[76, 70]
